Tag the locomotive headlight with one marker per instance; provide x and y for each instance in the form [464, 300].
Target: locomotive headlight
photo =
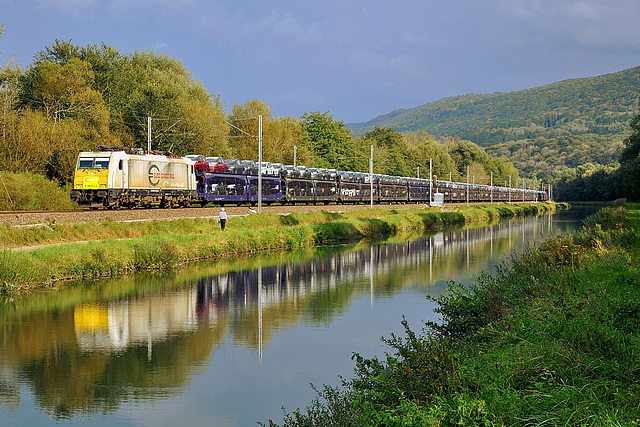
[78, 185]
[103, 185]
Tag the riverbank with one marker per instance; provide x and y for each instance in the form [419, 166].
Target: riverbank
[552, 339]
[61, 252]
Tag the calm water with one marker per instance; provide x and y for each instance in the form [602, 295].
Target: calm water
[231, 344]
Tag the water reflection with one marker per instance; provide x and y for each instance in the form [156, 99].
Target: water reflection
[91, 348]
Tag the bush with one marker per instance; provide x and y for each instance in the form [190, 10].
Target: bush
[29, 192]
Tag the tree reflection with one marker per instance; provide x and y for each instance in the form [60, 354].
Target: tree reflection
[89, 348]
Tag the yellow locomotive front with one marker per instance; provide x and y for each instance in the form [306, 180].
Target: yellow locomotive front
[91, 179]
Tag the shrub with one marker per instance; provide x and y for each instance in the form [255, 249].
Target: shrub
[27, 191]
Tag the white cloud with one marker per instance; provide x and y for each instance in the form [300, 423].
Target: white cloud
[284, 25]
[159, 46]
[414, 39]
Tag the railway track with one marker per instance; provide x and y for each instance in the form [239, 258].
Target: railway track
[35, 218]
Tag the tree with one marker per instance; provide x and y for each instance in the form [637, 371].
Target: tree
[9, 78]
[329, 142]
[630, 162]
[186, 117]
[161, 88]
[64, 91]
[466, 153]
[422, 147]
[391, 151]
[244, 130]
[284, 134]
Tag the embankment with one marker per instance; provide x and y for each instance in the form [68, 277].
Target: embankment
[88, 250]
[552, 339]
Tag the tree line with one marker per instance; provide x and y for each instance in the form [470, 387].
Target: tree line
[76, 98]
[596, 182]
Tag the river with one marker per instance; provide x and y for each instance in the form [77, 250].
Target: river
[230, 344]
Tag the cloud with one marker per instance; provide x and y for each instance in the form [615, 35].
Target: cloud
[135, 4]
[585, 23]
[159, 46]
[285, 25]
[71, 7]
[414, 39]
[388, 70]
[238, 28]
[78, 8]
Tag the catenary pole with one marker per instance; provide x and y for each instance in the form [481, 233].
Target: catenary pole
[491, 186]
[467, 185]
[430, 181]
[260, 163]
[148, 133]
[371, 175]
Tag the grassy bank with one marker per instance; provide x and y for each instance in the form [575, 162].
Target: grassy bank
[110, 248]
[552, 339]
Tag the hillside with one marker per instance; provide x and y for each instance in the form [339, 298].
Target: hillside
[591, 112]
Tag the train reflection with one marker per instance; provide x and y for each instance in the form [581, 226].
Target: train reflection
[234, 296]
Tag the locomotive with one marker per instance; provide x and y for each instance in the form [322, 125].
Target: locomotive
[117, 177]
[122, 177]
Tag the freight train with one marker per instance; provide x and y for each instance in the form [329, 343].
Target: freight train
[116, 177]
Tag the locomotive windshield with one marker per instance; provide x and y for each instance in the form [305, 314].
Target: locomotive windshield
[102, 163]
[85, 163]
[93, 163]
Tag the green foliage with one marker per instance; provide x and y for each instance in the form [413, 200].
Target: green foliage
[421, 147]
[74, 98]
[588, 182]
[599, 105]
[330, 143]
[462, 311]
[630, 162]
[27, 192]
[467, 154]
[541, 130]
[392, 154]
[551, 339]
[594, 182]
[543, 157]
[279, 135]
[118, 92]
[155, 254]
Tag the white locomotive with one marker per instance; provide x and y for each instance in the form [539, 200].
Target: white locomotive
[122, 177]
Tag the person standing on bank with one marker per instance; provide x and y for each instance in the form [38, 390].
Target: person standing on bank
[222, 216]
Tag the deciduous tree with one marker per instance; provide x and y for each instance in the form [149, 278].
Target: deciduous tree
[329, 142]
[630, 162]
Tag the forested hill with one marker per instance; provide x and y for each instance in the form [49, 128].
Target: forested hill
[601, 105]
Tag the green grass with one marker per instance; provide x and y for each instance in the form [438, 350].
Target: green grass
[109, 248]
[552, 339]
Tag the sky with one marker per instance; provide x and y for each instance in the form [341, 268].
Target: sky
[354, 59]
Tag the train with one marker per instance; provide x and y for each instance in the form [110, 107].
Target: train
[120, 177]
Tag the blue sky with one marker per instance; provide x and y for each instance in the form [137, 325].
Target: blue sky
[356, 59]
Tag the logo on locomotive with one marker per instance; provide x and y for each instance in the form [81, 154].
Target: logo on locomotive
[154, 175]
